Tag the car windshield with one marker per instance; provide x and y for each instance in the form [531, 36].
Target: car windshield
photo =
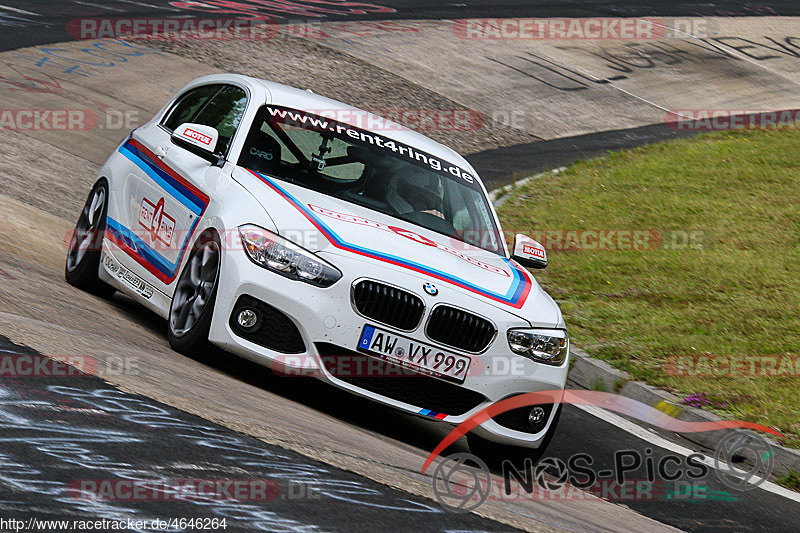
[367, 169]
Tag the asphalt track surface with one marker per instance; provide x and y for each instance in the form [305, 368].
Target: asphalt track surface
[35, 22]
[60, 433]
[41, 415]
[502, 166]
[39, 22]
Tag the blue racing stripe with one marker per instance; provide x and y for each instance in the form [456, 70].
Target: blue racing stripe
[167, 182]
[140, 247]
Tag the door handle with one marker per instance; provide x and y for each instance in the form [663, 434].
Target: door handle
[161, 152]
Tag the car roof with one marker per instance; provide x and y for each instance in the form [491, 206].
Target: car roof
[305, 100]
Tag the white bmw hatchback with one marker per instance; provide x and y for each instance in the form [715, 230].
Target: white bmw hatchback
[272, 223]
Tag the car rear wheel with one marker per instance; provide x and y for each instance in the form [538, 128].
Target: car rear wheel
[494, 453]
[85, 247]
[195, 294]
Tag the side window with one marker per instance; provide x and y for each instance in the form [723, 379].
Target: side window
[224, 112]
[189, 105]
[218, 106]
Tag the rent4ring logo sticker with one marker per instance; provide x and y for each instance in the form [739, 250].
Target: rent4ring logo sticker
[153, 218]
[408, 234]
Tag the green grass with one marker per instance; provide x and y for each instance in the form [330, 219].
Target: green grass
[790, 480]
[735, 292]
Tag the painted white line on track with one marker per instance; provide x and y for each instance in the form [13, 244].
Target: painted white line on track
[657, 440]
[589, 75]
[20, 11]
[100, 6]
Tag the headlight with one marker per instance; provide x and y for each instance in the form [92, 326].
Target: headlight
[549, 346]
[284, 257]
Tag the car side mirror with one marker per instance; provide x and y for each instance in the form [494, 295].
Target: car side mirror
[199, 139]
[528, 252]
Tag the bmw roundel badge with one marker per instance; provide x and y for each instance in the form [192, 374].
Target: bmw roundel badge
[431, 289]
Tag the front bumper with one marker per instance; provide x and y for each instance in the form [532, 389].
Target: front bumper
[326, 318]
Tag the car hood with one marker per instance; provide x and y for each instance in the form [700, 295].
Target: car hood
[319, 222]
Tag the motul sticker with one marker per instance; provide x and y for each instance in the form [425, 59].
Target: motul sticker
[533, 250]
[197, 136]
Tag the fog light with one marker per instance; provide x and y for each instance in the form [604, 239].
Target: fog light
[247, 318]
[536, 415]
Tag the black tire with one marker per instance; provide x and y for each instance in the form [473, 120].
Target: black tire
[191, 337]
[494, 453]
[86, 246]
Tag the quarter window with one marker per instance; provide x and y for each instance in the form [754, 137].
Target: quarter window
[189, 105]
[218, 106]
[224, 112]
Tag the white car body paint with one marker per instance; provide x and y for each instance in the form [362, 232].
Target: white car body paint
[168, 221]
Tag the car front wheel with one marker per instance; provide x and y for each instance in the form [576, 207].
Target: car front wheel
[195, 294]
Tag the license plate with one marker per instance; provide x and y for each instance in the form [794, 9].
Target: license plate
[412, 354]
